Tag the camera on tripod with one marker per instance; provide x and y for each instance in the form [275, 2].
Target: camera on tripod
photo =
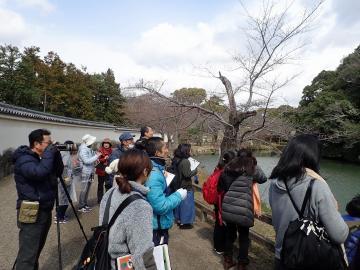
[66, 147]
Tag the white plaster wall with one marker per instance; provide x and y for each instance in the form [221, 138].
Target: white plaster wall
[14, 131]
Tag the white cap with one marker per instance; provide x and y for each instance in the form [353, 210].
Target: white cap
[88, 139]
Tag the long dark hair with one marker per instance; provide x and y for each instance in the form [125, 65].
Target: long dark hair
[303, 151]
[131, 165]
[225, 158]
[183, 151]
[244, 163]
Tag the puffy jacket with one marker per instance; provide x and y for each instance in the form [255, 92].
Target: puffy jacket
[104, 152]
[237, 205]
[162, 204]
[352, 243]
[117, 153]
[34, 177]
[87, 158]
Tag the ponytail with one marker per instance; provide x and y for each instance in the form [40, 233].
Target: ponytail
[123, 183]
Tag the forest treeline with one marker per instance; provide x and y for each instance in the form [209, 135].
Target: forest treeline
[49, 84]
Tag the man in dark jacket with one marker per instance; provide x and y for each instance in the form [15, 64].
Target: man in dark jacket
[145, 134]
[36, 168]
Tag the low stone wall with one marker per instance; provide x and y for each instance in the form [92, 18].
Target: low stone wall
[6, 165]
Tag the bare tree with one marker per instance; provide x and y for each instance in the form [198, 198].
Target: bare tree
[273, 39]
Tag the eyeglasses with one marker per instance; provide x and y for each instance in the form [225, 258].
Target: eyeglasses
[48, 142]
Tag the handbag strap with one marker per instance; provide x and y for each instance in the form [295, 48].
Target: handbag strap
[306, 198]
[107, 209]
[122, 206]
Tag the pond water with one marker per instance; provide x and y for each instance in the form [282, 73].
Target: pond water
[343, 178]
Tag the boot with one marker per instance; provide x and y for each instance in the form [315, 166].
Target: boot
[241, 266]
[228, 262]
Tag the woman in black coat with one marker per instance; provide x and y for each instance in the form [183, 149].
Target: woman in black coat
[237, 208]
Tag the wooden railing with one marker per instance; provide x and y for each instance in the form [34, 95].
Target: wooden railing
[206, 213]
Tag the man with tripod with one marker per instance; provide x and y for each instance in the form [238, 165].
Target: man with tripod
[36, 171]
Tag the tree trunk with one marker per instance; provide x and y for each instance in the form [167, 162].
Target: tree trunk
[229, 141]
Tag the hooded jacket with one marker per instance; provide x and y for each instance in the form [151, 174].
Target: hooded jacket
[87, 159]
[238, 205]
[162, 204]
[322, 207]
[35, 177]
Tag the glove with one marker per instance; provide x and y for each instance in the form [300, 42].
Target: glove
[182, 192]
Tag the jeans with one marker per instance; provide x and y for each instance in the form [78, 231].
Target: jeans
[244, 242]
[102, 180]
[85, 188]
[32, 238]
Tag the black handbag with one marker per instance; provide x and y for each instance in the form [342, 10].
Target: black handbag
[306, 244]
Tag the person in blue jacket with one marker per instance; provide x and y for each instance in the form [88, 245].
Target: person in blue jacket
[162, 202]
[352, 243]
[36, 170]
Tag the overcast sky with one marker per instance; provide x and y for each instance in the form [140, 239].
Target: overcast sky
[170, 40]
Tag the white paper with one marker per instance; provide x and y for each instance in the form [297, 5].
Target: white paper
[161, 256]
[193, 163]
[169, 177]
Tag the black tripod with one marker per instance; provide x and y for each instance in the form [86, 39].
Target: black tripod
[61, 180]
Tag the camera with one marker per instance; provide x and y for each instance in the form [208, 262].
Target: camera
[66, 147]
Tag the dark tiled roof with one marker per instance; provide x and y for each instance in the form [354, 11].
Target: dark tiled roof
[27, 113]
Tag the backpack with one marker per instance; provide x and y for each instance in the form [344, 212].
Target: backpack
[209, 190]
[306, 244]
[95, 254]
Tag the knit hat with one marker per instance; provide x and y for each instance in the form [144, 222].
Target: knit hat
[106, 140]
[88, 139]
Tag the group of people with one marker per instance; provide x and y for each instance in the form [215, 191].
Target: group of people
[130, 168]
[296, 171]
[142, 168]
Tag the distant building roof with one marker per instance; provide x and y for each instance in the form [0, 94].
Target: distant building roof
[27, 113]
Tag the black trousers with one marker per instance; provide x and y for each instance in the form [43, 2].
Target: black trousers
[159, 235]
[32, 238]
[102, 180]
[244, 242]
[219, 236]
[278, 265]
[60, 214]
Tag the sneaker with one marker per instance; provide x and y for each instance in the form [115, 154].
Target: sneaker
[185, 226]
[83, 210]
[87, 207]
[219, 252]
[63, 221]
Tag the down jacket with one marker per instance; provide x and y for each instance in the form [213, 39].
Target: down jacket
[87, 159]
[34, 177]
[237, 206]
[161, 204]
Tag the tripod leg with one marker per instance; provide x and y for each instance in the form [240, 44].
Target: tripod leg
[72, 206]
[58, 228]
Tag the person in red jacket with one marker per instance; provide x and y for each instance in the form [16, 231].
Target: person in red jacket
[103, 177]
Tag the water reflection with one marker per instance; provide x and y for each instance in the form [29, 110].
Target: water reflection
[343, 178]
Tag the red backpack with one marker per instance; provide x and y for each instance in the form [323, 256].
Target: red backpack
[209, 189]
